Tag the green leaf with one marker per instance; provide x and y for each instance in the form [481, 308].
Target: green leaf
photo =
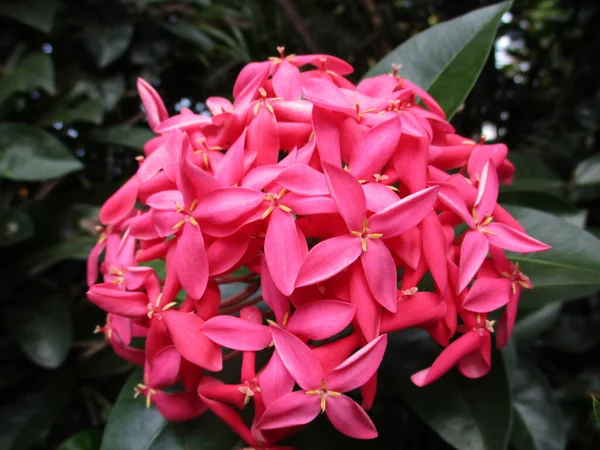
[596, 407]
[41, 328]
[86, 110]
[587, 171]
[29, 417]
[447, 58]
[547, 202]
[38, 14]
[538, 424]
[130, 137]
[103, 364]
[457, 408]
[107, 42]
[191, 34]
[88, 439]
[207, 432]
[533, 174]
[36, 70]
[153, 432]
[15, 226]
[534, 324]
[131, 425]
[571, 269]
[113, 90]
[28, 153]
[48, 257]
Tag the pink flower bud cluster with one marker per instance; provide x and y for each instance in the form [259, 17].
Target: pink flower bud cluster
[337, 200]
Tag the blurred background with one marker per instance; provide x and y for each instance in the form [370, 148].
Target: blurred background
[71, 126]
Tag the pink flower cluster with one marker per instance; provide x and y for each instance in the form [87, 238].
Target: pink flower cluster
[338, 200]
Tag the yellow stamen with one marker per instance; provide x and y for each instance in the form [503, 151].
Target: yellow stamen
[193, 221]
[268, 211]
[287, 209]
[179, 224]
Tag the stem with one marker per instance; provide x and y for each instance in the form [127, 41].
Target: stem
[240, 296]
[231, 355]
[236, 308]
[239, 279]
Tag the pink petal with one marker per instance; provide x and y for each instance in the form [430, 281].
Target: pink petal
[296, 408]
[298, 359]
[225, 253]
[192, 262]
[379, 196]
[324, 93]
[193, 345]
[120, 203]
[375, 148]
[327, 135]
[451, 197]
[321, 319]
[510, 239]
[286, 81]
[347, 194]
[488, 294]
[273, 297]
[465, 345]
[324, 62]
[473, 251]
[112, 299]
[413, 311]
[282, 250]
[505, 326]
[218, 105]
[92, 262]
[309, 205]
[166, 200]
[164, 367]
[228, 204]
[179, 406]
[359, 368]
[404, 214]
[236, 333]
[153, 104]
[478, 364]
[182, 122]
[230, 169]
[328, 258]
[368, 311]
[249, 80]
[380, 273]
[410, 162]
[349, 418]
[487, 193]
[303, 179]
[275, 380]
[263, 137]
[435, 249]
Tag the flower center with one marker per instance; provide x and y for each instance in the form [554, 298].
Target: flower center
[365, 234]
[324, 393]
[187, 215]
[274, 199]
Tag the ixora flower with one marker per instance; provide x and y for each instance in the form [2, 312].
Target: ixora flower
[320, 206]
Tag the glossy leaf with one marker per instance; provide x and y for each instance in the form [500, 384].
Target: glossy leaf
[537, 422]
[190, 34]
[105, 363]
[446, 59]
[534, 324]
[596, 407]
[15, 226]
[34, 71]
[87, 110]
[38, 14]
[88, 439]
[41, 327]
[456, 408]
[207, 432]
[28, 418]
[587, 171]
[48, 257]
[533, 174]
[107, 42]
[131, 414]
[154, 432]
[130, 137]
[569, 270]
[30, 154]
